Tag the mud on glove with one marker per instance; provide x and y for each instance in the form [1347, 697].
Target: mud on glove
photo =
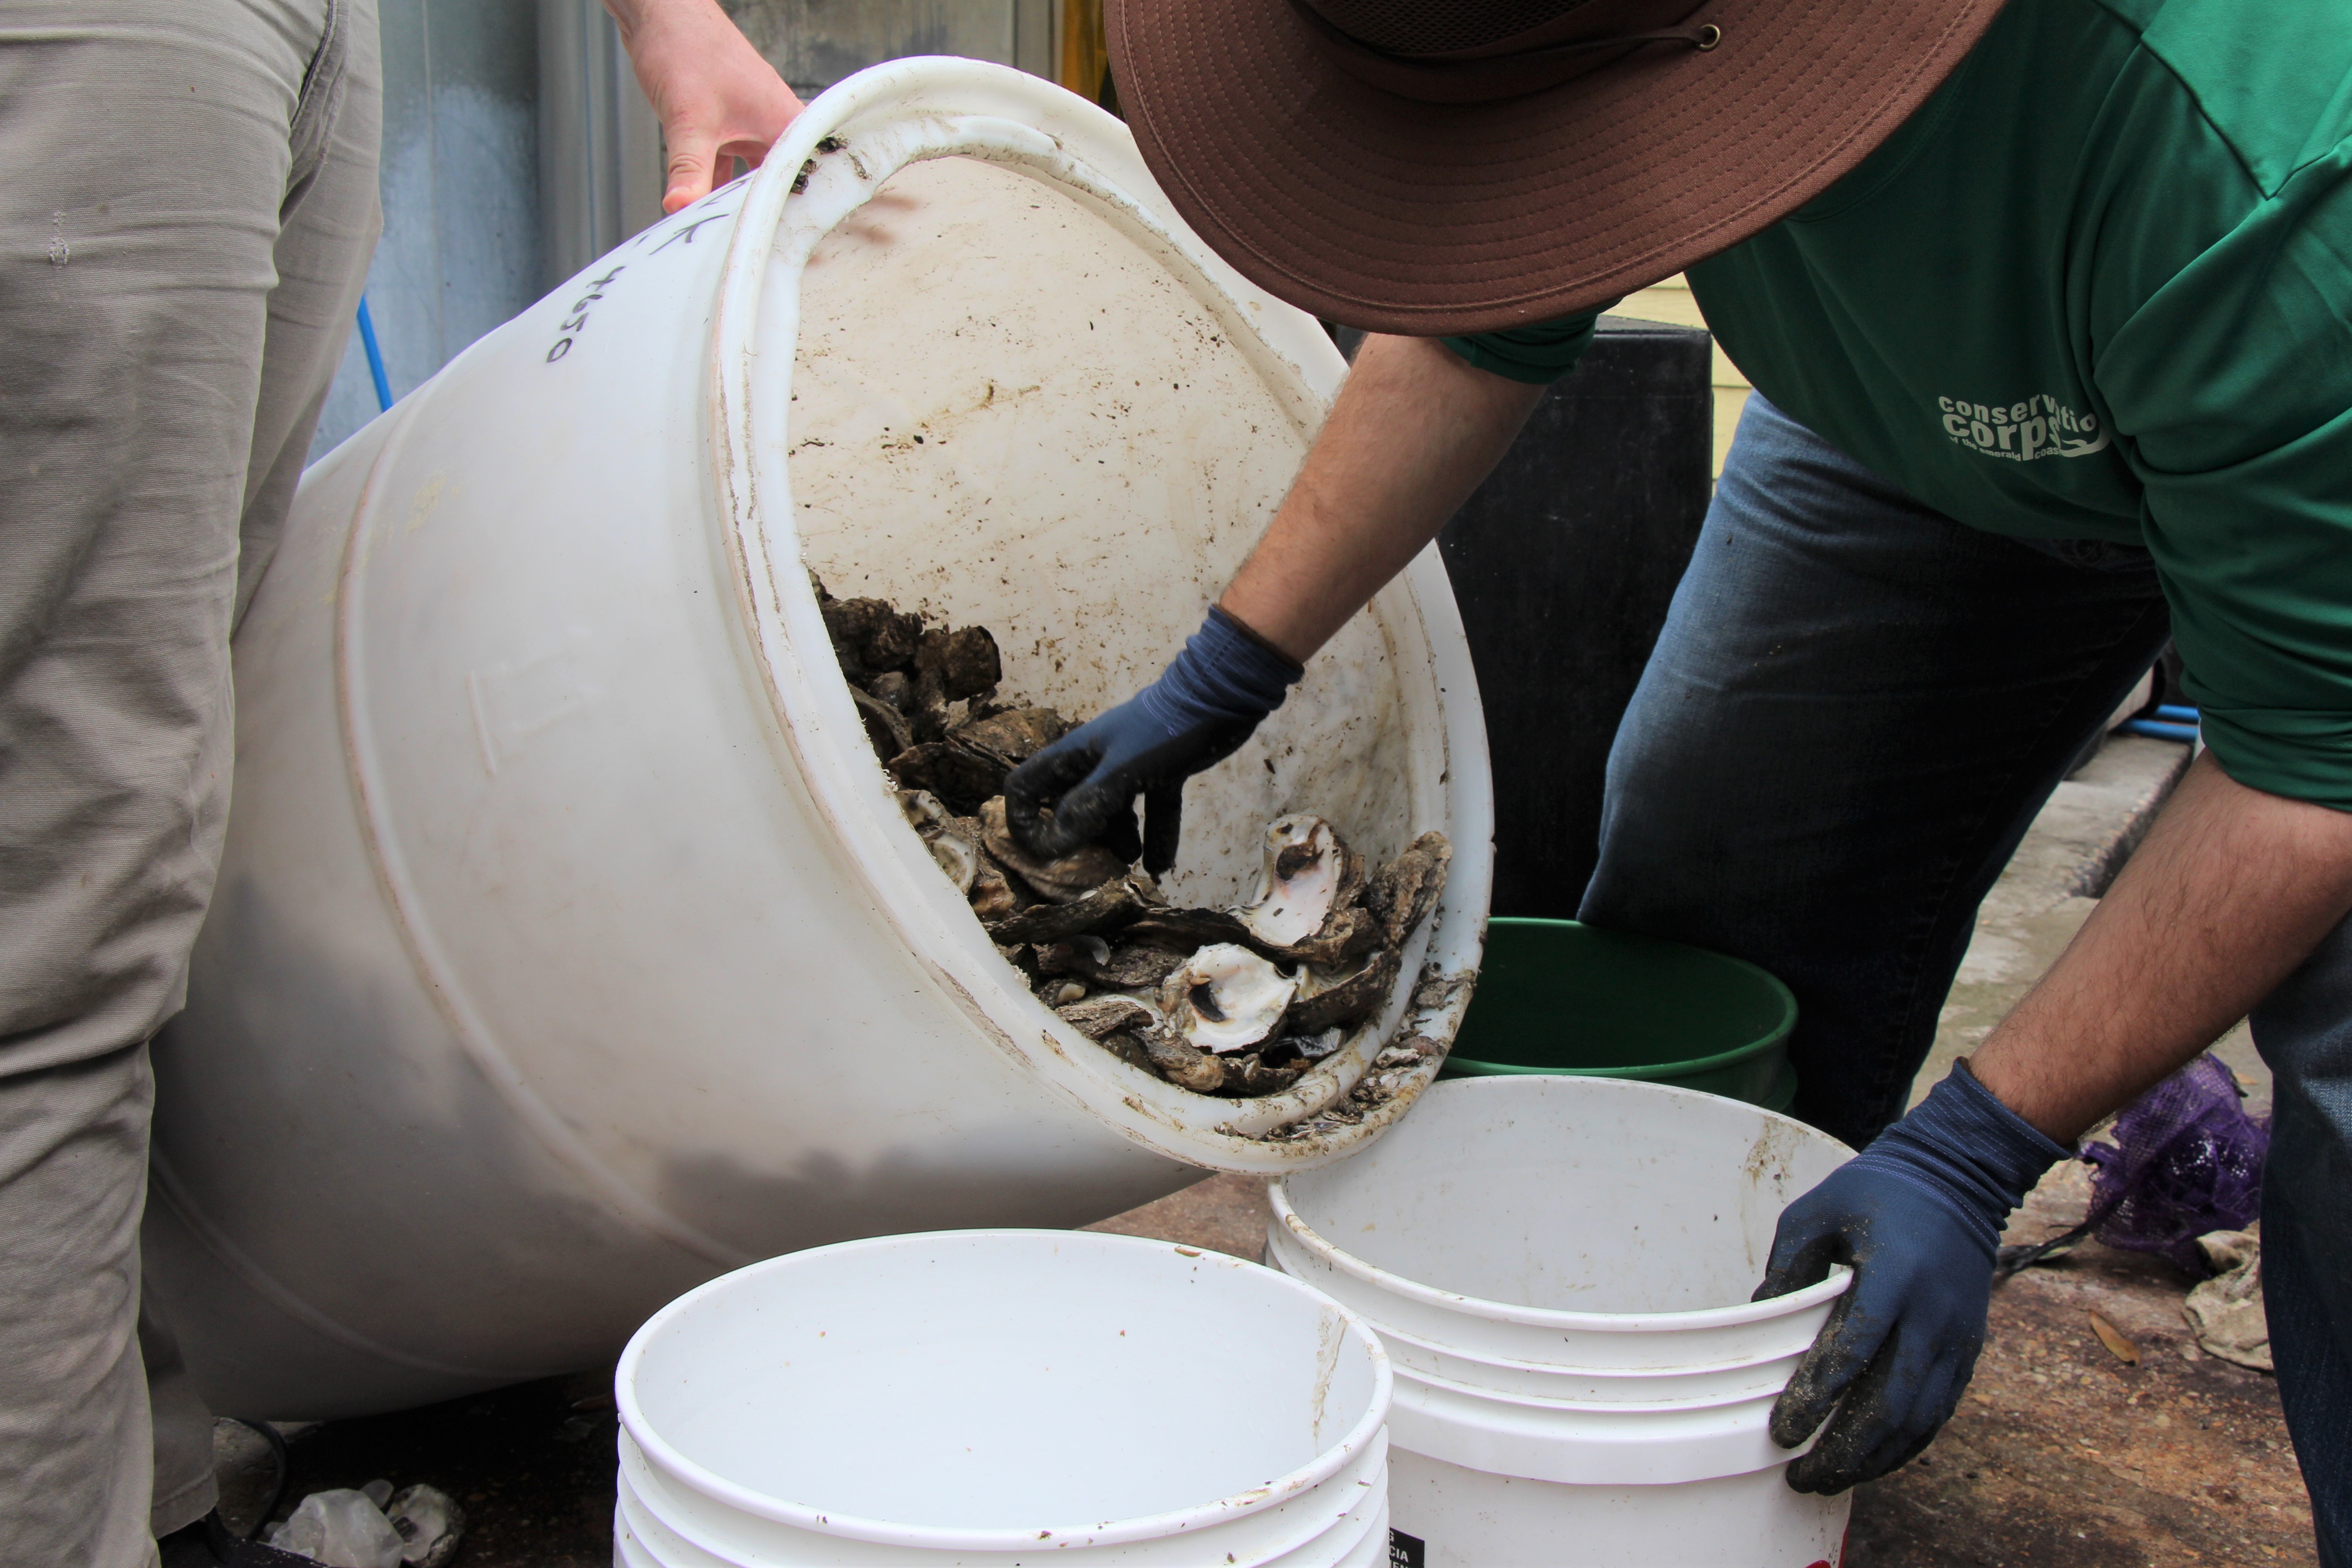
[1204, 706]
[1917, 1215]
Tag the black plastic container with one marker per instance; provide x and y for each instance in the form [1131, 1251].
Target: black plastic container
[1563, 563]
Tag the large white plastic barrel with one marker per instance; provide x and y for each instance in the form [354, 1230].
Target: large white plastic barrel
[1561, 1268]
[571, 947]
[1003, 1397]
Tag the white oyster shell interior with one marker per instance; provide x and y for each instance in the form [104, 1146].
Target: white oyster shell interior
[1304, 865]
[1225, 998]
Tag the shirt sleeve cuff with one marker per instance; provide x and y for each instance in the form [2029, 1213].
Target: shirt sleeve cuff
[2300, 755]
[1537, 356]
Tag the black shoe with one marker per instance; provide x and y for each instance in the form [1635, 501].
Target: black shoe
[208, 1545]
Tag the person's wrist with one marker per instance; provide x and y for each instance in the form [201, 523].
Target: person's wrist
[1226, 674]
[1272, 650]
[1968, 1151]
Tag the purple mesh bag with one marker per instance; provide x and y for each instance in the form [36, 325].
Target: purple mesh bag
[2186, 1159]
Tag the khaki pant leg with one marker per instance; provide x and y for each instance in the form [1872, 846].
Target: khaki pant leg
[162, 159]
[329, 231]
[76, 1470]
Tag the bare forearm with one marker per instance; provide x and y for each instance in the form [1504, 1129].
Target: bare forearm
[631, 13]
[2232, 890]
[1414, 430]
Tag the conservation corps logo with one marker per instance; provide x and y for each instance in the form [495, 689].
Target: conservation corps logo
[2041, 427]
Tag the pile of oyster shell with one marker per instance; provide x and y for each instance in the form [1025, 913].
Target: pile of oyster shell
[1237, 1002]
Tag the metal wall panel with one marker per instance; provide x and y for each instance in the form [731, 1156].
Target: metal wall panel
[815, 43]
[461, 247]
[518, 148]
[600, 147]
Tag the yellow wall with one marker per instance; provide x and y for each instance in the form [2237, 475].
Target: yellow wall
[1083, 52]
[1671, 301]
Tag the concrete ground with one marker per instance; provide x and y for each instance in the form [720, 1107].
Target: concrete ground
[2062, 1453]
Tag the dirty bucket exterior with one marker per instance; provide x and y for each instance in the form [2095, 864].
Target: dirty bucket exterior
[1560, 1268]
[570, 946]
[1560, 996]
[1003, 1397]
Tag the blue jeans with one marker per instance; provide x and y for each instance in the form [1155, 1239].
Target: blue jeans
[1855, 710]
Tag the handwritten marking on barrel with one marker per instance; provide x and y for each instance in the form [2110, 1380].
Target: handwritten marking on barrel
[578, 317]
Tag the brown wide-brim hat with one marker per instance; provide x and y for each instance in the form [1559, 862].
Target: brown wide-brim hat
[1441, 166]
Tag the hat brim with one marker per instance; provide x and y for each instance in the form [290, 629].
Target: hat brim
[1428, 219]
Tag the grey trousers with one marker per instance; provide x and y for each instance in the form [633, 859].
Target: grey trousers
[187, 207]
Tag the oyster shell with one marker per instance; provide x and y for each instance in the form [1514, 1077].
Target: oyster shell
[1112, 905]
[870, 634]
[1128, 1047]
[959, 858]
[994, 900]
[1081, 955]
[1189, 929]
[1063, 881]
[962, 776]
[1313, 1048]
[1307, 911]
[886, 729]
[924, 811]
[1182, 1065]
[1100, 1017]
[1128, 968]
[966, 658]
[1016, 734]
[1225, 998]
[892, 638]
[1407, 888]
[968, 764]
[1249, 1074]
[1327, 1001]
[1311, 877]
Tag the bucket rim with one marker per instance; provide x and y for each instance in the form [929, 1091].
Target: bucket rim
[1662, 1073]
[1455, 1386]
[1734, 1316]
[1404, 1368]
[666, 1458]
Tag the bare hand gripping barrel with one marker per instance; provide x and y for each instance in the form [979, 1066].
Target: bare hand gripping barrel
[571, 947]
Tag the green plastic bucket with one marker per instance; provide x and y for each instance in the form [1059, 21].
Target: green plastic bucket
[1559, 996]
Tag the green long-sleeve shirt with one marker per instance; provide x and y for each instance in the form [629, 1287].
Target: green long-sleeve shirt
[2100, 285]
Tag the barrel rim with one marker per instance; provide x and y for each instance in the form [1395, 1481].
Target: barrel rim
[937, 106]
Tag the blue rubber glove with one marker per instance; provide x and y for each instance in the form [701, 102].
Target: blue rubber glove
[1917, 1215]
[1204, 706]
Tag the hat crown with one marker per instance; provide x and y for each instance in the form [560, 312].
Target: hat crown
[1434, 27]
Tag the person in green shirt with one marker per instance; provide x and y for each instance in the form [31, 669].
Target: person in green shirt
[2047, 310]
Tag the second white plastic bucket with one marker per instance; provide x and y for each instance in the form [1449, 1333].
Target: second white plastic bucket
[1003, 1397]
[1561, 1270]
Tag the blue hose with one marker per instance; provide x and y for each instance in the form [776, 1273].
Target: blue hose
[374, 357]
[2159, 732]
[2178, 713]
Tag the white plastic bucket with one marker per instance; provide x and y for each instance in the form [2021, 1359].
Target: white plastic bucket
[571, 947]
[1003, 1397]
[1561, 1268]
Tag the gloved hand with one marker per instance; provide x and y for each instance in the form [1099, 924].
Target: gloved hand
[1917, 1215]
[1204, 706]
